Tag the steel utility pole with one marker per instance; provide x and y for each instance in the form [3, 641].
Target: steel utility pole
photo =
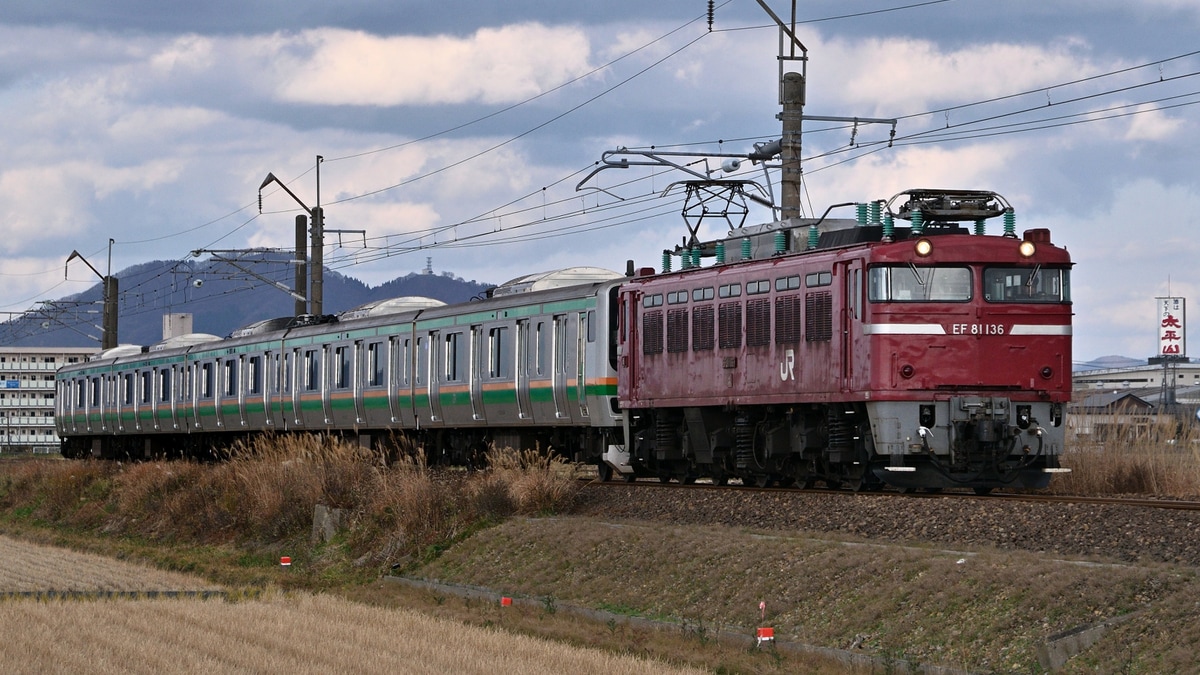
[108, 335]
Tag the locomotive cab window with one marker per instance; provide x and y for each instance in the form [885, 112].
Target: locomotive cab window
[1027, 284]
[909, 283]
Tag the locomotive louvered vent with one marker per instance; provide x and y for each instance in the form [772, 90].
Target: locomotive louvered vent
[818, 317]
[677, 330]
[652, 332]
[787, 319]
[730, 325]
[702, 328]
[758, 322]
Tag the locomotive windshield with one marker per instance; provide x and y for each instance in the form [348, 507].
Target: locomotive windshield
[1027, 284]
[910, 283]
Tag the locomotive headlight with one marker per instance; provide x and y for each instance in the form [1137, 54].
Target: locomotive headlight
[924, 247]
[907, 371]
[1027, 249]
[1047, 372]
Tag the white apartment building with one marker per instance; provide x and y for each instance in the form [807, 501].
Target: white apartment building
[27, 395]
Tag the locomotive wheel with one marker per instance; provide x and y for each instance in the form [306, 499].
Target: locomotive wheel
[604, 472]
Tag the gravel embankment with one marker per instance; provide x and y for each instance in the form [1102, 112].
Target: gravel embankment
[1124, 533]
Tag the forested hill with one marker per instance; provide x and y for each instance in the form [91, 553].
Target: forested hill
[220, 297]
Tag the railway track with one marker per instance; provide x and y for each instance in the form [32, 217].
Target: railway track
[1142, 502]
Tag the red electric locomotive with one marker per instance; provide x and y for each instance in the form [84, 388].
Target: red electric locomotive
[853, 352]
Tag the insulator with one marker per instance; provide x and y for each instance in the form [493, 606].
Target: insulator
[889, 227]
[696, 256]
[666, 262]
[918, 221]
[814, 236]
[1010, 222]
[746, 248]
[780, 242]
[980, 226]
[712, 11]
[873, 209]
[720, 253]
[860, 212]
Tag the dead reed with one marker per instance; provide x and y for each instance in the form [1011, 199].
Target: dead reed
[1121, 457]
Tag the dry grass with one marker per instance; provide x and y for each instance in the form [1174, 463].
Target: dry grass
[398, 508]
[32, 567]
[294, 634]
[1162, 461]
[981, 611]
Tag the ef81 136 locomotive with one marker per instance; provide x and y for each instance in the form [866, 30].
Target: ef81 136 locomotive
[849, 352]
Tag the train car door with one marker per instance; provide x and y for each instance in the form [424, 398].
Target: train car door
[851, 321]
[521, 376]
[474, 380]
[358, 381]
[433, 372]
[584, 335]
[560, 350]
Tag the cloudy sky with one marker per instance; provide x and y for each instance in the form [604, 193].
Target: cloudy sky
[458, 131]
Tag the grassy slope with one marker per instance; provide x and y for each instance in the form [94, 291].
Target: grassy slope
[987, 613]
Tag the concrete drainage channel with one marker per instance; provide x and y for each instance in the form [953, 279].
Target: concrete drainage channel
[1059, 648]
[732, 634]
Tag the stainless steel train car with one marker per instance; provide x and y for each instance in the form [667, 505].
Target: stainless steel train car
[533, 364]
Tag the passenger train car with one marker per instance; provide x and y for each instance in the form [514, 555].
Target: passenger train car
[531, 365]
[843, 351]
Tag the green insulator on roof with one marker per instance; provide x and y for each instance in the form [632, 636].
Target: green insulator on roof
[746, 248]
[814, 236]
[918, 222]
[666, 262]
[1010, 222]
[720, 253]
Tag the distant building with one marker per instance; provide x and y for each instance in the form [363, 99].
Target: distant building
[27, 395]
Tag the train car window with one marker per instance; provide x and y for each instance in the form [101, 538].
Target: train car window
[540, 348]
[289, 360]
[700, 294]
[909, 283]
[500, 353]
[312, 370]
[79, 393]
[787, 318]
[423, 360]
[729, 325]
[254, 375]
[341, 364]
[758, 322]
[818, 317]
[818, 279]
[591, 325]
[787, 283]
[1027, 284]
[730, 291]
[145, 386]
[854, 294]
[206, 380]
[758, 287]
[655, 300]
[164, 385]
[652, 332]
[375, 364]
[703, 328]
[677, 329]
[231, 377]
[677, 297]
[127, 389]
[456, 357]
